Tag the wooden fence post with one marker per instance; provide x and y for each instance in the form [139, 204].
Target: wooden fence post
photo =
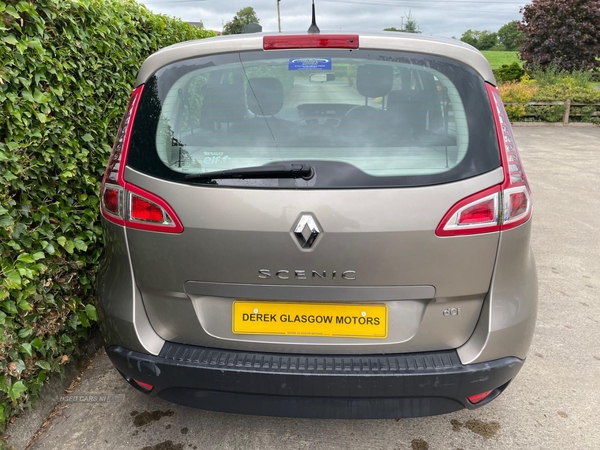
[567, 112]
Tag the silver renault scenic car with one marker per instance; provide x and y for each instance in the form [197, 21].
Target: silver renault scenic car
[317, 225]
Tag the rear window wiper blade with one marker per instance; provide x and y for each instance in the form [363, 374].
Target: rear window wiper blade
[284, 170]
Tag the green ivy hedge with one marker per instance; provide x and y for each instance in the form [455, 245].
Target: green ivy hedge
[66, 71]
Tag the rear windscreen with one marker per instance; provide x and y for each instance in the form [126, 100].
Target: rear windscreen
[359, 118]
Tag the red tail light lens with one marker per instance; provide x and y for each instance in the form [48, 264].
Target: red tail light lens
[478, 398]
[518, 204]
[150, 212]
[111, 200]
[145, 211]
[517, 207]
[125, 204]
[501, 207]
[482, 212]
[279, 42]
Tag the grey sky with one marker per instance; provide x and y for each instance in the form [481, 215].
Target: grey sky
[441, 18]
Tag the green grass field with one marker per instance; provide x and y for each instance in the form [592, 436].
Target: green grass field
[497, 59]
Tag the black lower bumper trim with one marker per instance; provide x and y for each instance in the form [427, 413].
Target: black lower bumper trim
[377, 386]
[312, 407]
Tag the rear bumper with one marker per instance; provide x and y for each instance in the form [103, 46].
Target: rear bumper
[318, 386]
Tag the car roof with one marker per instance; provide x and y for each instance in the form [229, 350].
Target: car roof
[450, 48]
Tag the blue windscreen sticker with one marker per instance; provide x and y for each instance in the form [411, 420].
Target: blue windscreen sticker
[310, 64]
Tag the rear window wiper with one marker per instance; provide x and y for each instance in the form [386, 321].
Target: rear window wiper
[303, 171]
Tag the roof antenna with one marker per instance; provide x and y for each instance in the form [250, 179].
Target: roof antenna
[314, 29]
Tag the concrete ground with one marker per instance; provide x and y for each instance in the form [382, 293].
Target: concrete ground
[553, 403]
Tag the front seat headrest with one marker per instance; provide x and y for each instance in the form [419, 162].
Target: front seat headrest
[264, 96]
[373, 80]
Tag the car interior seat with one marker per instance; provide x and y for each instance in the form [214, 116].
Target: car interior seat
[264, 99]
[372, 81]
[222, 104]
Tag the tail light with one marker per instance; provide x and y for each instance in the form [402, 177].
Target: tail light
[500, 207]
[143, 210]
[124, 203]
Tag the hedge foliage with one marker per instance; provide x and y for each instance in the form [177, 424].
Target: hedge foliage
[66, 71]
[551, 86]
[515, 96]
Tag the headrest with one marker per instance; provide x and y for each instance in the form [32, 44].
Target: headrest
[224, 102]
[264, 96]
[373, 80]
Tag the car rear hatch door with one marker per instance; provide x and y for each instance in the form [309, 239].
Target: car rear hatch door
[402, 147]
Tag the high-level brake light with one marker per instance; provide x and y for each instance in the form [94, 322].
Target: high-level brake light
[500, 207]
[124, 203]
[279, 42]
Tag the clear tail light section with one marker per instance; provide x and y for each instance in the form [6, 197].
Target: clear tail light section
[500, 207]
[124, 203]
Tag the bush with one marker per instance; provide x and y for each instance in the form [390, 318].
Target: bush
[553, 113]
[551, 85]
[561, 93]
[66, 72]
[516, 96]
[507, 73]
[552, 75]
[583, 113]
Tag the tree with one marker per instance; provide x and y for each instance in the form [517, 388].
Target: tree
[411, 25]
[561, 33]
[510, 36]
[242, 18]
[487, 40]
[470, 37]
[481, 40]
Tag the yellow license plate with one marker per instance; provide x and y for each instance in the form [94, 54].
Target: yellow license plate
[310, 319]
